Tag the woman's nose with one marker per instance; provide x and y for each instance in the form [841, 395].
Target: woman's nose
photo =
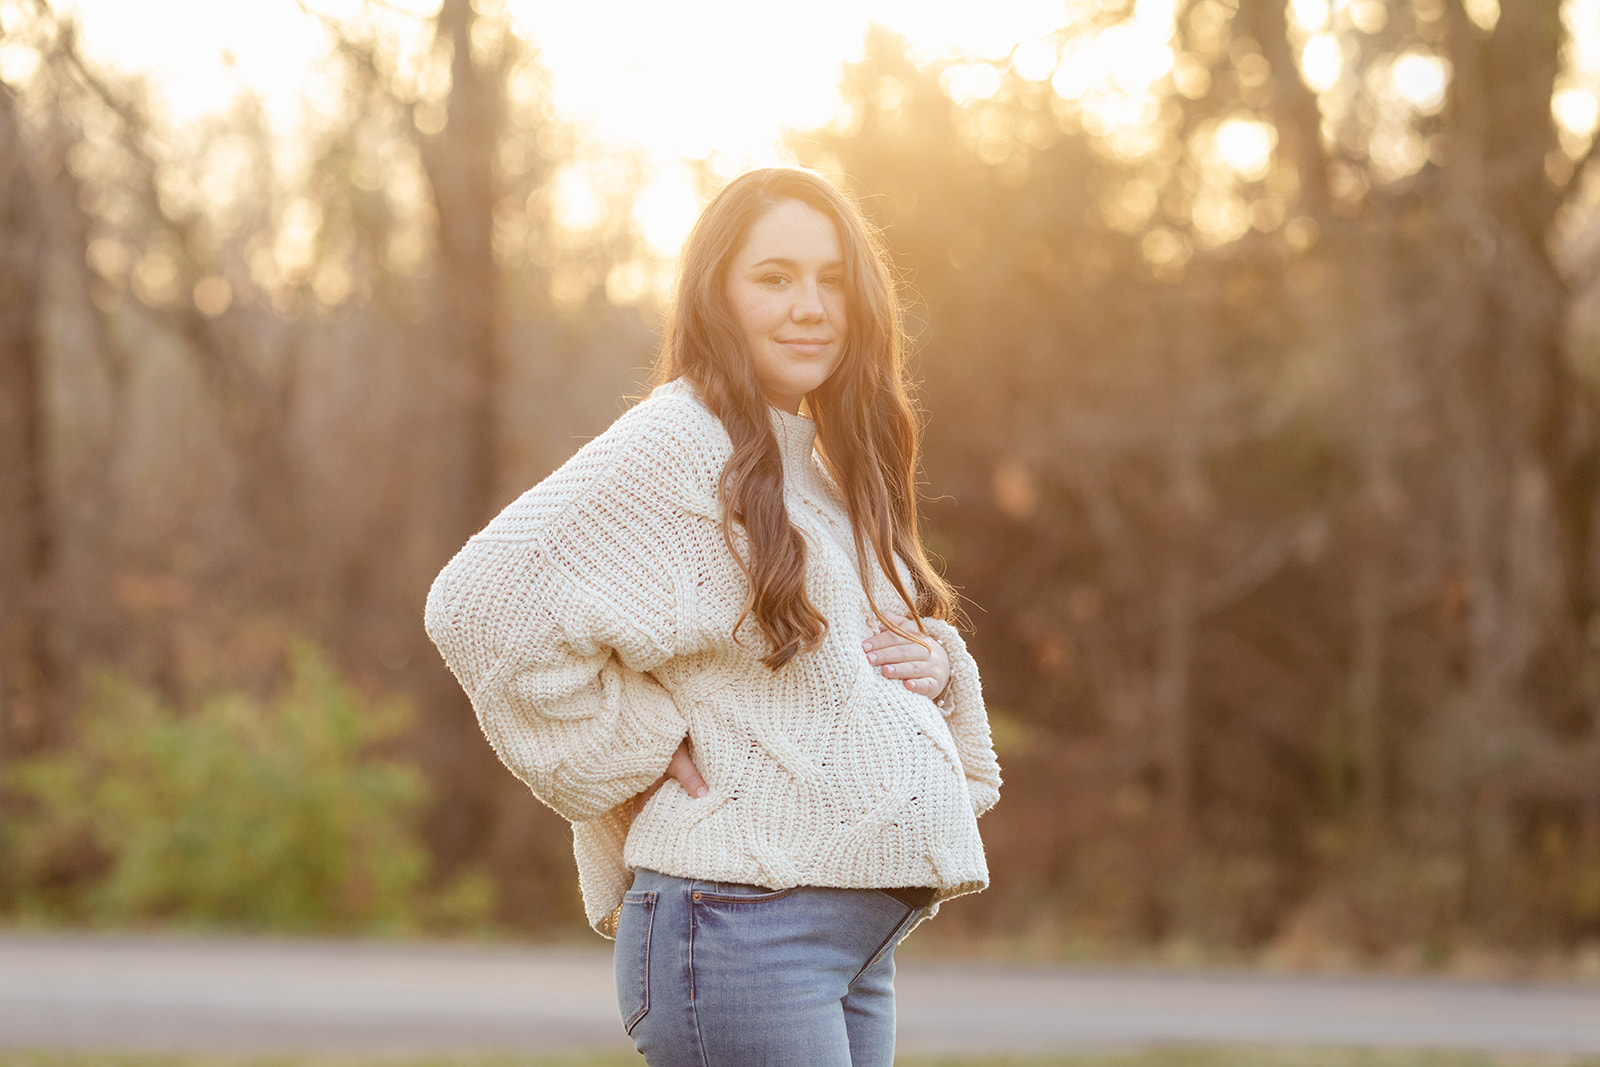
[808, 303]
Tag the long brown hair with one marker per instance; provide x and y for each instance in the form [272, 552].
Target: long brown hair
[867, 425]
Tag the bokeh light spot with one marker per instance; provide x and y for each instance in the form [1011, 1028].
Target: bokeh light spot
[577, 205]
[969, 82]
[1577, 110]
[1484, 13]
[1035, 61]
[212, 295]
[18, 62]
[1310, 15]
[1245, 145]
[1321, 62]
[1079, 70]
[1369, 16]
[1137, 55]
[665, 211]
[1421, 80]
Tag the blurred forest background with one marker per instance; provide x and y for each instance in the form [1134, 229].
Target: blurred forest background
[1264, 442]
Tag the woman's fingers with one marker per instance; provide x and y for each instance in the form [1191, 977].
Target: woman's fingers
[886, 646]
[682, 767]
[924, 668]
[895, 651]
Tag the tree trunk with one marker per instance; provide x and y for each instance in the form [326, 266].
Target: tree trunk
[1384, 344]
[1294, 109]
[463, 471]
[1508, 407]
[461, 171]
[1188, 498]
[27, 544]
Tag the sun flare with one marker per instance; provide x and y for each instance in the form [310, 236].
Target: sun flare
[658, 80]
[666, 84]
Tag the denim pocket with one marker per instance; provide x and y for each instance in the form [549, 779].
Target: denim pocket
[632, 958]
[736, 893]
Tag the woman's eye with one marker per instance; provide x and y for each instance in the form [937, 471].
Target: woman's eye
[833, 280]
[773, 279]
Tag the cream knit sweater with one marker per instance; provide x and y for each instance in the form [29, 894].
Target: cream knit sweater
[591, 623]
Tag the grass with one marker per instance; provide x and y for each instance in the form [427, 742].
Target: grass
[1228, 1056]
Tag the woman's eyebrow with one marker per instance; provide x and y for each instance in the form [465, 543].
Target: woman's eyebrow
[783, 261]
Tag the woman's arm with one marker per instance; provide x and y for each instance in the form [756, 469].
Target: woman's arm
[553, 617]
[560, 687]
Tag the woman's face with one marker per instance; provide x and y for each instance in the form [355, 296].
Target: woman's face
[786, 286]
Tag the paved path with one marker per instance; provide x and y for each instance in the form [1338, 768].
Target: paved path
[150, 993]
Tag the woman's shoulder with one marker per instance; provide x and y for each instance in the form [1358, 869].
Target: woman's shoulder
[668, 449]
[672, 433]
[672, 409]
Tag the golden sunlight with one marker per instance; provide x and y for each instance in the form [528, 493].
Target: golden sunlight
[1577, 110]
[970, 81]
[1321, 62]
[1245, 145]
[1129, 57]
[665, 82]
[1576, 105]
[1035, 61]
[1420, 80]
[201, 54]
[679, 90]
[1485, 13]
[1309, 15]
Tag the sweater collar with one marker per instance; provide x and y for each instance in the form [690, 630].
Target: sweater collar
[796, 437]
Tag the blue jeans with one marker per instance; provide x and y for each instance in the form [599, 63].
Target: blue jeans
[713, 974]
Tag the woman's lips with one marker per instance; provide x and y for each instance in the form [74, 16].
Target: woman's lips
[809, 346]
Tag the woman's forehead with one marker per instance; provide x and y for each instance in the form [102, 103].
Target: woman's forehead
[792, 231]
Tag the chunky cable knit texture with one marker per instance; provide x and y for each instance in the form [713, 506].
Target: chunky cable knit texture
[592, 624]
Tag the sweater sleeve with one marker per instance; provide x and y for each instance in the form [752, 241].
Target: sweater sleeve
[969, 722]
[553, 616]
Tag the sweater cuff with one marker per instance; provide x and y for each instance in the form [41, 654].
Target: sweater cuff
[963, 686]
[963, 708]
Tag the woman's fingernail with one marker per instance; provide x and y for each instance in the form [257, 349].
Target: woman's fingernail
[701, 792]
[872, 657]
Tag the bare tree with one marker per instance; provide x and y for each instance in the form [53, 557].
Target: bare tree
[27, 536]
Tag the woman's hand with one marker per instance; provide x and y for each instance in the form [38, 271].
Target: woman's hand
[680, 767]
[923, 669]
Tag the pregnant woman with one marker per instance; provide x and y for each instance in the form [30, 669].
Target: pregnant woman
[712, 640]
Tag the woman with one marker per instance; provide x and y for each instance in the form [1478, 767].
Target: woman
[713, 642]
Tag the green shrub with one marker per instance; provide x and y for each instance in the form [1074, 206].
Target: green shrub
[275, 814]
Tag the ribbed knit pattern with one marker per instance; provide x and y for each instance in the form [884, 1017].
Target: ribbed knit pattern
[591, 623]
